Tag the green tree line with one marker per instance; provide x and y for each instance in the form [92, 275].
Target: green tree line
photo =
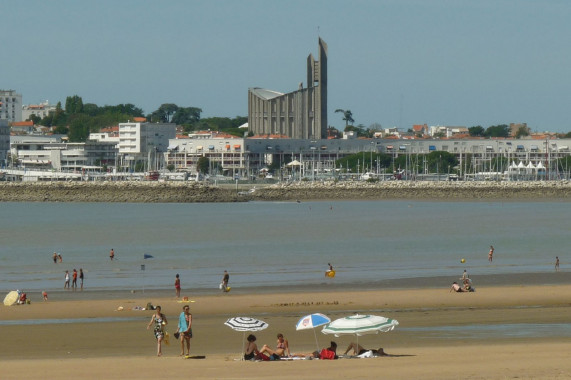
[78, 119]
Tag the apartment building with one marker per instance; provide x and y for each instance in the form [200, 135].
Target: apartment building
[10, 105]
[144, 142]
[41, 110]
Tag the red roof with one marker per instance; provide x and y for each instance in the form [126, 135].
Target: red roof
[23, 124]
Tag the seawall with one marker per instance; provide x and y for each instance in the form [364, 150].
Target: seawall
[186, 192]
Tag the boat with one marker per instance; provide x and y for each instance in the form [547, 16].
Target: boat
[152, 176]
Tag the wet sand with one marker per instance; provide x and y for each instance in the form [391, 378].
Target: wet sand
[112, 344]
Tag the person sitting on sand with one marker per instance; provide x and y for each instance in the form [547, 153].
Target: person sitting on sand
[329, 353]
[457, 288]
[251, 348]
[281, 347]
[468, 285]
[359, 350]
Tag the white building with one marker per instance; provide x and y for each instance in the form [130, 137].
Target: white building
[144, 142]
[50, 153]
[10, 105]
[41, 110]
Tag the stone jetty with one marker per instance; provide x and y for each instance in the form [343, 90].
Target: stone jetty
[188, 192]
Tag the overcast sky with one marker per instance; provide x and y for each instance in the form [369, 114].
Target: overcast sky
[392, 62]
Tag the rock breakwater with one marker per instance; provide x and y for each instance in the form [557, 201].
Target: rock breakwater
[188, 192]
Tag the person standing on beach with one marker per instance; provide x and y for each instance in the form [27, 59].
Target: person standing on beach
[112, 254]
[55, 258]
[225, 280]
[177, 285]
[491, 253]
[81, 277]
[66, 283]
[159, 320]
[60, 258]
[185, 329]
[74, 280]
[557, 263]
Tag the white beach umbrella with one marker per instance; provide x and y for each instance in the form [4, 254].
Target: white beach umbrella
[245, 324]
[312, 321]
[360, 325]
[11, 298]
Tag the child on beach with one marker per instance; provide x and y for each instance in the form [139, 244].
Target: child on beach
[45, 295]
[66, 283]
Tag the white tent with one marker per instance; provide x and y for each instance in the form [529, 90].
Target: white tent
[294, 163]
[540, 166]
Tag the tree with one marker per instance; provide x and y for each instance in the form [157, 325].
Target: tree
[440, 161]
[35, 119]
[165, 112]
[347, 116]
[79, 128]
[501, 130]
[203, 165]
[476, 131]
[186, 115]
[73, 104]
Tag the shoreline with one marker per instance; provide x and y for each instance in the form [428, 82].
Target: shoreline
[191, 192]
[560, 278]
[435, 282]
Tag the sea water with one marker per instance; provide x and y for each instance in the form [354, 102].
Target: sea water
[273, 243]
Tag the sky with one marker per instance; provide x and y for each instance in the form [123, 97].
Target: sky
[391, 62]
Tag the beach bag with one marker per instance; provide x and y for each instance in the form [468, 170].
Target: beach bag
[326, 354]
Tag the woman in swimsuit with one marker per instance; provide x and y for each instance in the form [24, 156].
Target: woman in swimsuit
[160, 321]
[281, 347]
[177, 285]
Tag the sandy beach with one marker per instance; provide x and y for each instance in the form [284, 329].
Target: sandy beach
[112, 344]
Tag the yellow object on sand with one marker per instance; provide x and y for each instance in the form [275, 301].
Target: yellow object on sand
[463, 261]
[330, 273]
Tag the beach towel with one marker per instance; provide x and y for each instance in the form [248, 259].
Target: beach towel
[182, 326]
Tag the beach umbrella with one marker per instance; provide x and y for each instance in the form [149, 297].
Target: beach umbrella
[245, 324]
[312, 321]
[359, 325]
[11, 298]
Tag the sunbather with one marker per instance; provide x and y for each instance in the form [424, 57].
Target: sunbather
[359, 350]
[456, 288]
[281, 347]
[251, 348]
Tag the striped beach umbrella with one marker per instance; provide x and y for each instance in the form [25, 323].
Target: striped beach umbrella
[245, 324]
[360, 325]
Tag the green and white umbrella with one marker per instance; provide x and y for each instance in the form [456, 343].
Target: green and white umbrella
[360, 325]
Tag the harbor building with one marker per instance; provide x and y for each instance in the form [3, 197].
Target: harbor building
[301, 114]
[145, 143]
[10, 105]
